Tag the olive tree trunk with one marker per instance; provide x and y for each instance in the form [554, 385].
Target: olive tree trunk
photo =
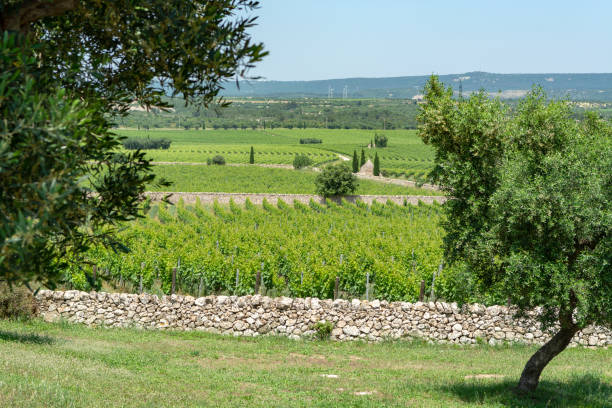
[530, 377]
[19, 16]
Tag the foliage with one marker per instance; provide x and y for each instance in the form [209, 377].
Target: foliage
[16, 302]
[336, 180]
[301, 160]
[323, 330]
[355, 162]
[530, 213]
[252, 156]
[69, 68]
[118, 52]
[61, 177]
[380, 140]
[376, 169]
[298, 249]
[310, 140]
[151, 144]
[280, 114]
[362, 160]
[218, 160]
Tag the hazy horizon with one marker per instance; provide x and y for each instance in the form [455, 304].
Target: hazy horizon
[433, 73]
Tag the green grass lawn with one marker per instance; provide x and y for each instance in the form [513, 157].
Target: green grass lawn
[254, 179]
[62, 365]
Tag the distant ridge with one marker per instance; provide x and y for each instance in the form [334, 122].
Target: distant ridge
[593, 87]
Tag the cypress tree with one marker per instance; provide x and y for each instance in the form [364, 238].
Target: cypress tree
[376, 165]
[355, 162]
[363, 160]
[252, 156]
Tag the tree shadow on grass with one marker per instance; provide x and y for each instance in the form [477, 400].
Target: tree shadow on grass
[28, 338]
[583, 391]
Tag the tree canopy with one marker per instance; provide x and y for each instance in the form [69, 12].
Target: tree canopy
[68, 70]
[530, 212]
[336, 180]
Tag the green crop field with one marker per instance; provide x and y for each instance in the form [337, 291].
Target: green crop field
[63, 365]
[264, 154]
[300, 249]
[405, 156]
[254, 179]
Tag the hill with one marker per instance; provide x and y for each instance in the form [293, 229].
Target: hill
[592, 87]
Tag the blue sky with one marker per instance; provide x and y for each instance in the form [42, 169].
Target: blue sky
[322, 39]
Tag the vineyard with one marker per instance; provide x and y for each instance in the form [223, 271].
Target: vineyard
[264, 154]
[254, 179]
[406, 155]
[298, 250]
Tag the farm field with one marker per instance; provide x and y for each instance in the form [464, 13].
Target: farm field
[406, 155]
[299, 250]
[254, 179]
[234, 153]
[64, 365]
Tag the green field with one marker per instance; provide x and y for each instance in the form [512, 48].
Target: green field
[64, 365]
[234, 153]
[254, 179]
[405, 156]
[299, 249]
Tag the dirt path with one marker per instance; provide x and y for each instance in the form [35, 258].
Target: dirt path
[399, 182]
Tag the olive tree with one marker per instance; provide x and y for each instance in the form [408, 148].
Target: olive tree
[69, 69]
[530, 210]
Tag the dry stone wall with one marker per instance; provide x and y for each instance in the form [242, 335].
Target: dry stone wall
[295, 318]
[240, 198]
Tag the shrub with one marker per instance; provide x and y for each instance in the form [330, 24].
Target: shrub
[218, 160]
[323, 330]
[252, 156]
[134, 143]
[16, 302]
[355, 162]
[362, 161]
[309, 140]
[376, 170]
[336, 180]
[380, 140]
[301, 160]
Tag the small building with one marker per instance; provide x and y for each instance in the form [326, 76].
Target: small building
[367, 169]
[419, 99]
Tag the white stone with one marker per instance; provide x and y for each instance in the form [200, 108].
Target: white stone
[351, 331]
[493, 310]
[284, 302]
